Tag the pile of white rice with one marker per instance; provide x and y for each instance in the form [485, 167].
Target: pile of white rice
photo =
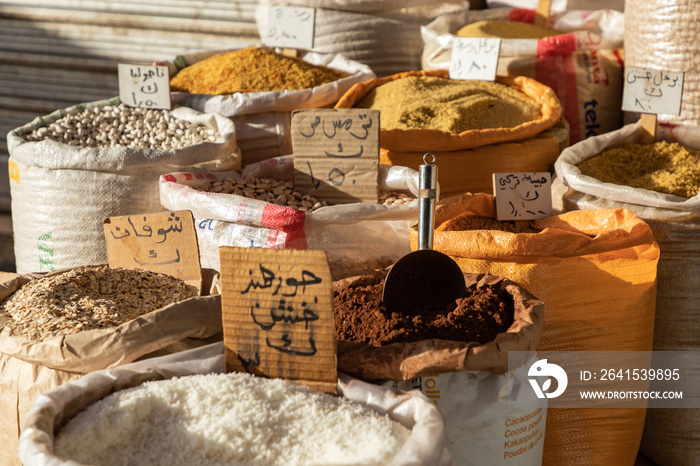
[232, 419]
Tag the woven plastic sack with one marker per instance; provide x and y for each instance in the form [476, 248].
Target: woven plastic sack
[424, 447]
[469, 382]
[263, 119]
[29, 368]
[671, 436]
[559, 6]
[356, 237]
[384, 34]
[596, 272]
[61, 193]
[583, 64]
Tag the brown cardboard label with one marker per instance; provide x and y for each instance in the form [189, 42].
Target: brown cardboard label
[277, 311]
[523, 196]
[336, 154]
[164, 242]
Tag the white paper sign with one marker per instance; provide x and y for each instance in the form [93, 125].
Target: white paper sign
[474, 58]
[652, 91]
[289, 27]
[523, 196]
[145, 86]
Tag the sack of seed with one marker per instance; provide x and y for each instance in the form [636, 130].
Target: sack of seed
[71, 169]
[258, 207]
[111, 416]
[56, 327]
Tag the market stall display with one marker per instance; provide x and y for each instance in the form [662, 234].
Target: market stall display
[98, 160]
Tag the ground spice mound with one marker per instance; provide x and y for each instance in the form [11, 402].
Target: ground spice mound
[430, 102]
[505, 30]
[251, 69]
[468, 221]
[360, 316]
[87, 298]
[665, 167]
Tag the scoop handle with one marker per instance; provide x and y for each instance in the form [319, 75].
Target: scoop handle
[427, 180]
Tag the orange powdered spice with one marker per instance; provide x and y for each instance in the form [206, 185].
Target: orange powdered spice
[251, 69]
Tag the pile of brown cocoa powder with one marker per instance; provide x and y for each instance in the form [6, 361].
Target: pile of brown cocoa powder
[360, 316]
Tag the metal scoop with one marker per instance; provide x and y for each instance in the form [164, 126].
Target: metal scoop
[424, 279]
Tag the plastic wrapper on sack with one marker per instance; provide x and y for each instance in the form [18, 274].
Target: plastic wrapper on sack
[596, 271]
[468, 381]
[263, 119]
[356, 237]
[467, 160]
[61, 192]
[559, 6]
[29, 368]
[583, 63]
[425, 445]
[671, 436]
[382, 34]
[661, 35]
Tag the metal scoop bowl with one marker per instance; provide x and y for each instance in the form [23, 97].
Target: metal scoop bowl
[424, 280]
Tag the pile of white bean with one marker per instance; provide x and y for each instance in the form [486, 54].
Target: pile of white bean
[282, 192]
[121, 125]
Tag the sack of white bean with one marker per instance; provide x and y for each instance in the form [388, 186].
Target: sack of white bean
[59, 326]
[310, 428]
[71, 169]
[258, 207]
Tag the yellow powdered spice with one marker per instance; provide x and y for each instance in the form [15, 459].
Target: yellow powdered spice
[665, 167]
[251, 69]
[505, 30]
[468, 221]
[429, 102]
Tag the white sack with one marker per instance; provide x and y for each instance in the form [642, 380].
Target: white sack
[61, 193]
[52, 409]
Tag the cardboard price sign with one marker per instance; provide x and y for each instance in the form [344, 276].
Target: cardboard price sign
[336, 154]
[474, 58]
[146, 86]
[289, 27]
[277, 312]
[523, 196]
[652, 91]
[163, 242]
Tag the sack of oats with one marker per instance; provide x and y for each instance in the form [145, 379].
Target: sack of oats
[59, 326]
[458, 356]
[258, 207]
[258, 88]
[658, 182]
[113, 415]
[514, 124]
[596, 271]
[579, 56]
[71, 169]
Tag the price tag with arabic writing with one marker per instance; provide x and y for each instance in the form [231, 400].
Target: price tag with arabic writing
[336, 154]
[146, 86]
[290, 27]
[163, 242]
[652, 91]
[474, 58]
[277, 309]
[523, 196]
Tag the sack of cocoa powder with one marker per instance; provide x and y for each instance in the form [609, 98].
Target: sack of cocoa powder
[456, 356]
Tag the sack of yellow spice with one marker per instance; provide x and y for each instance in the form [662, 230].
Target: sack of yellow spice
[595, 271]
[580, 56]
[659, 182]
[474, 128]
[258, 89]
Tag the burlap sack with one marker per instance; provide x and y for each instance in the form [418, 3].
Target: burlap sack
[468, 160]
[596, 271]
[28, 369]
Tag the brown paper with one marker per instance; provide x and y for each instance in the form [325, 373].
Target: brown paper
[403, 361]
[163, 242]
[336, 154]
[277, 310]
